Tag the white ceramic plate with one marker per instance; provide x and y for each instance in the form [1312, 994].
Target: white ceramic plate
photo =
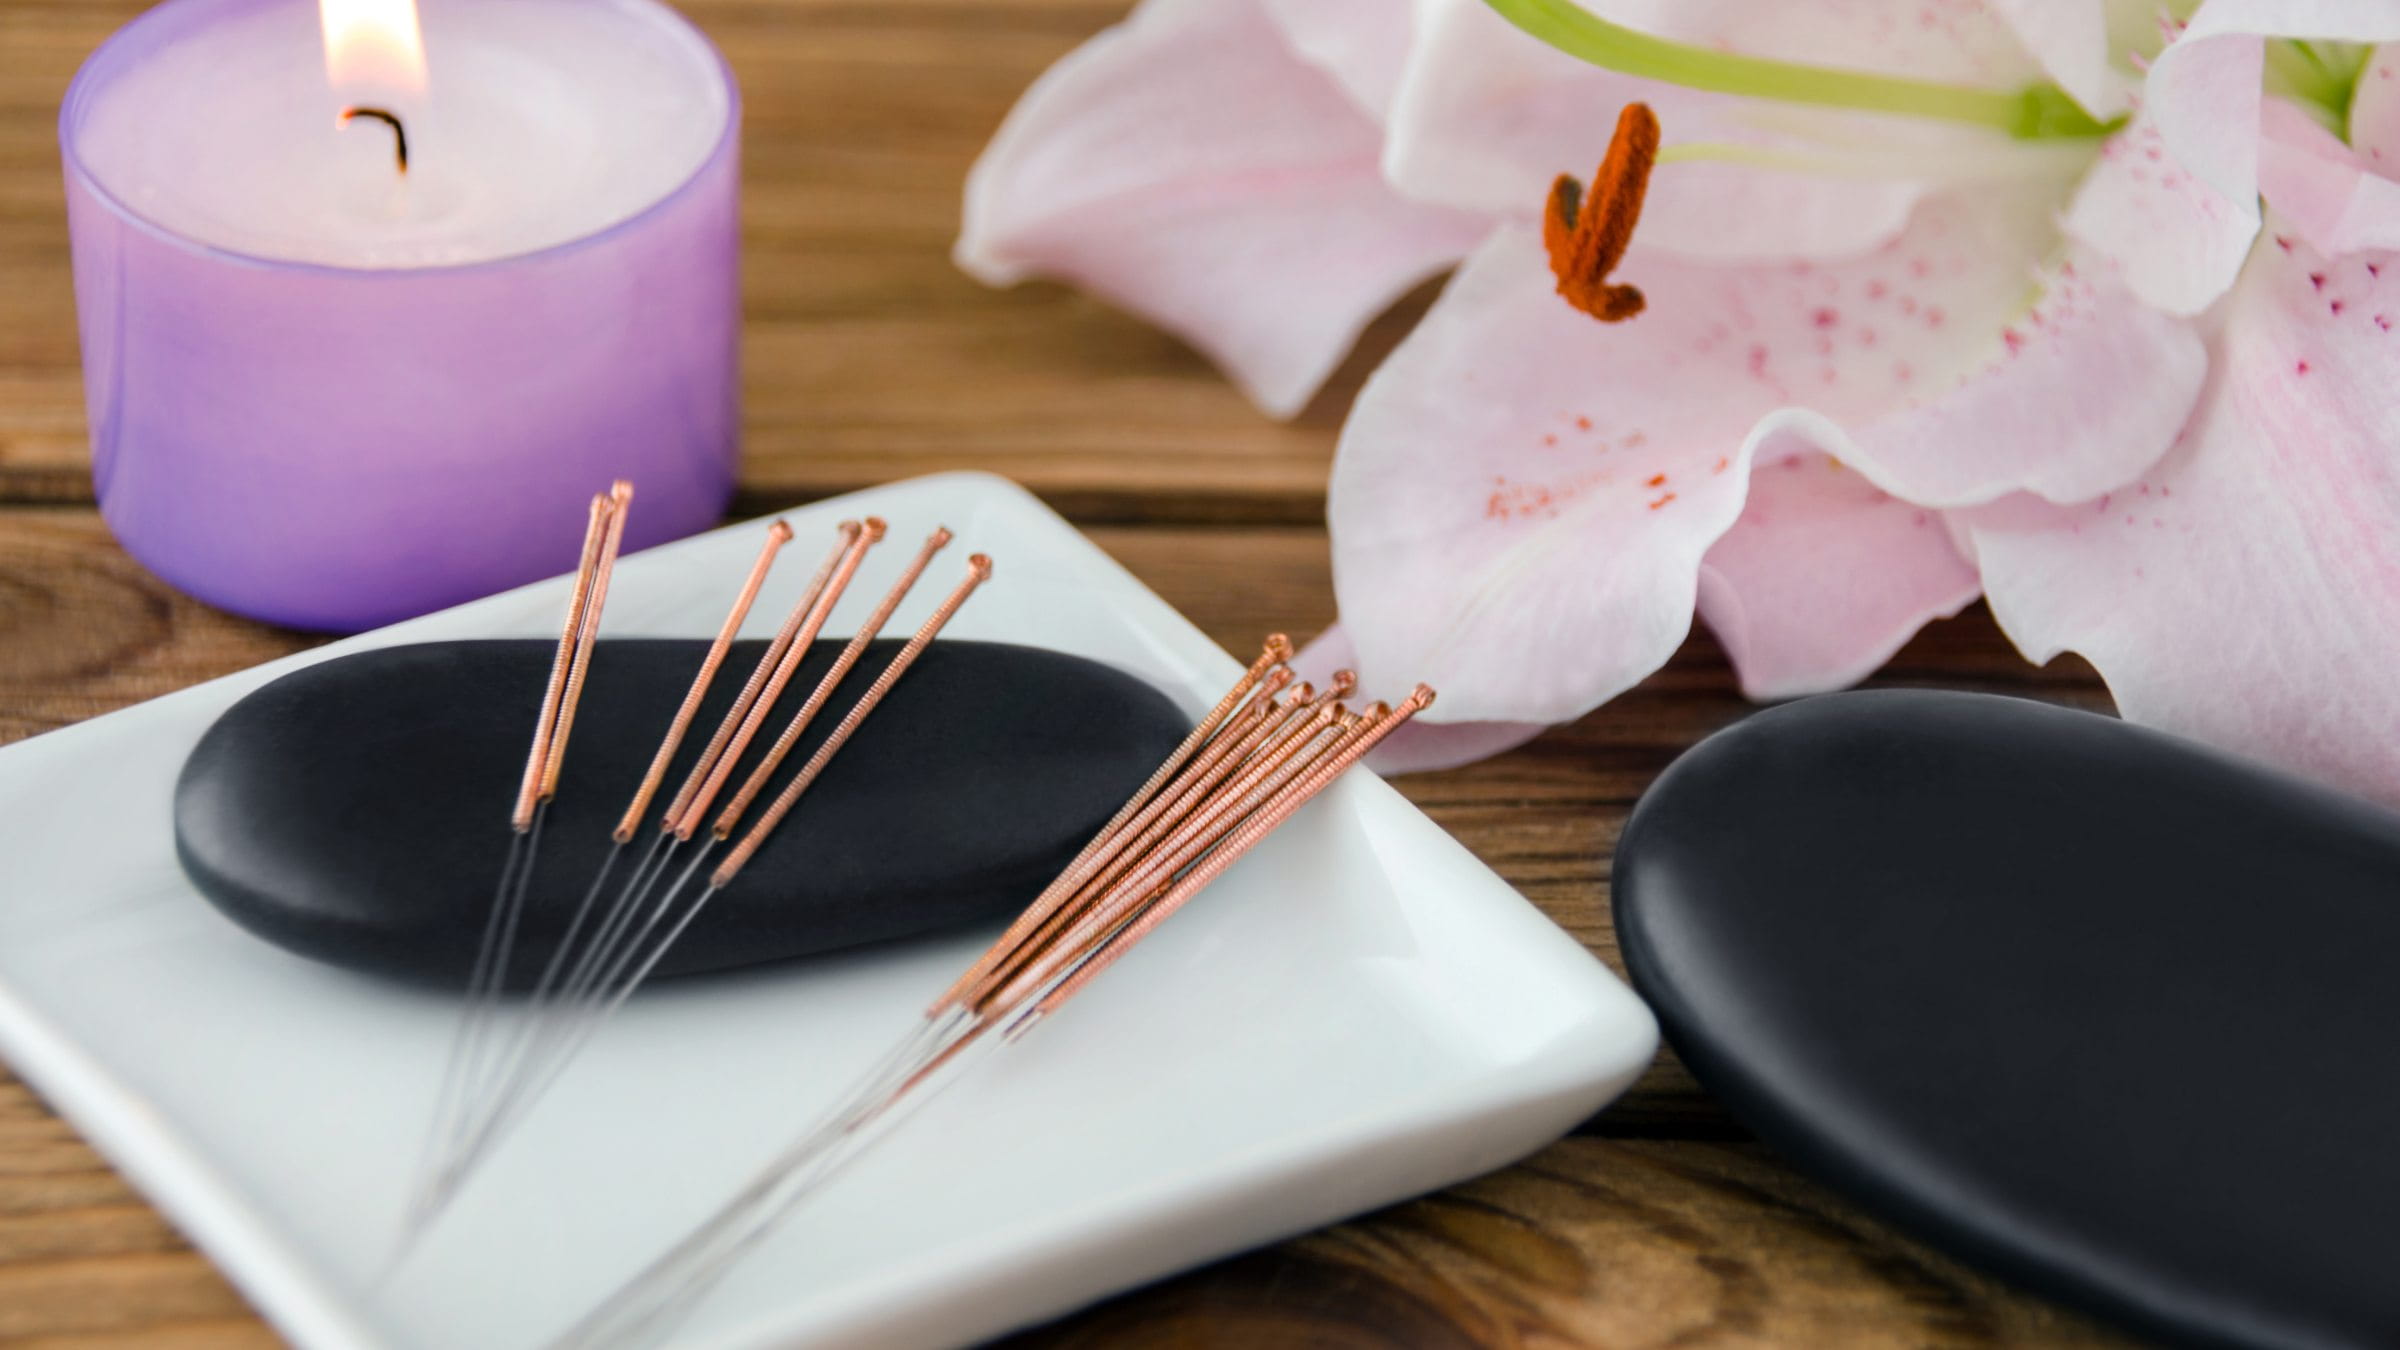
[1358, 1012]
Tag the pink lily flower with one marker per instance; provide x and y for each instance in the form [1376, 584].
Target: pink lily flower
[1918, 321]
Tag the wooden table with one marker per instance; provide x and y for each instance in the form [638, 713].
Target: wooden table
[870, 359]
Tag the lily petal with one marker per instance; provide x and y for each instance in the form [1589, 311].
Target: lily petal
[2178, 240]
[1486, 116]
[1188, 166]
[1362, 44]
[2076, 397]
[1824, 577]
[2375, 110]
[2247, 590]
[2332, 196]
[2205, 85]
[1975, 43]
[1419, 745]
[2070, 39]
[2175, 196]
[1523, 497]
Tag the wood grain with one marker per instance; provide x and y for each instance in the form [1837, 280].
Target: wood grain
[1589, 1243]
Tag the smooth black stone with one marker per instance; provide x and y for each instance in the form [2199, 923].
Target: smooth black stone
[356, 811]
[2102, 1010]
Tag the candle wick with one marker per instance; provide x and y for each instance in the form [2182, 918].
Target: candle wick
[399, 132]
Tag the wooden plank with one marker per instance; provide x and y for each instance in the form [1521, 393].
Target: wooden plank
[1596, 1243]
[85, 630]
[868, 356]
[1590, 1242]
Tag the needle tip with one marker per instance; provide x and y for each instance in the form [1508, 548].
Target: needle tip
[781, 529]
[981, 565]
[874, 528]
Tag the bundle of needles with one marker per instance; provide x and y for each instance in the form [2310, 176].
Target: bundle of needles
[1259, 755]
[498, 1069]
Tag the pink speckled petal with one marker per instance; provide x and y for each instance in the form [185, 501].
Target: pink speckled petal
[2247, 590]
[1523, 496]
[1824, 577]
[2073, 398]
[2329, 193]
[1188, 166]
[1424, 743]
[2175, 196]
[2207, 105]
[2178, 240]
[1487, 116]
[1362, 44]
[2375, 111]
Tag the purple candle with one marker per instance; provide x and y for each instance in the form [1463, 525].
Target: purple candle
[365, 316]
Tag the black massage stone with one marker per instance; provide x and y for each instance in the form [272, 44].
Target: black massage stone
[356, 811]
[2094, 1007]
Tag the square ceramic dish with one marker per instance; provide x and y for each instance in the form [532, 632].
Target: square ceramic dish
[1358, 1012]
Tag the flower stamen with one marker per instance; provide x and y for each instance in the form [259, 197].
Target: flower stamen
[1586, 233]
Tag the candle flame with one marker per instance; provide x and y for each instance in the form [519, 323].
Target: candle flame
[373, 46]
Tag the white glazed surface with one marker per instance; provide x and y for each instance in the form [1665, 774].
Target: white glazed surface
[1358, 1012]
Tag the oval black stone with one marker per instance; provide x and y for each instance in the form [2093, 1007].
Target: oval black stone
[356, 810]
[2103, 1010]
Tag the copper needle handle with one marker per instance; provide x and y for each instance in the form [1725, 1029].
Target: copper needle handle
[1242, 735]
[587, 632]
[537, 760]
[979, 570]
[1170, 819]
[778, 534]
[834, 675]
[1268, 667]
[687, 821]
[1213, 817]
[1242, 840]
[848, 532]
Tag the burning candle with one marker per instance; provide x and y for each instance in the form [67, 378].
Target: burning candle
[367, 304]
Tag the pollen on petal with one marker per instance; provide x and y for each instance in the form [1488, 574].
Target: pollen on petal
[1586, 233]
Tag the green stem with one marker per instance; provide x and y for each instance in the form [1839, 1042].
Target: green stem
[2322, 86]
[2036, 111]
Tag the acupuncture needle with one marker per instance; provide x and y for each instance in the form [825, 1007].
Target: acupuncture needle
[778, 534]
[573, 1022]
[609, 958]
[554, 757]
[1228, 756]
[671, 1284]
[603, 531]
[612, 991]
[741, 722]
[1268, 667]
[555, 720]
[924, 1051]
[549, 1014]
[979, 568]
